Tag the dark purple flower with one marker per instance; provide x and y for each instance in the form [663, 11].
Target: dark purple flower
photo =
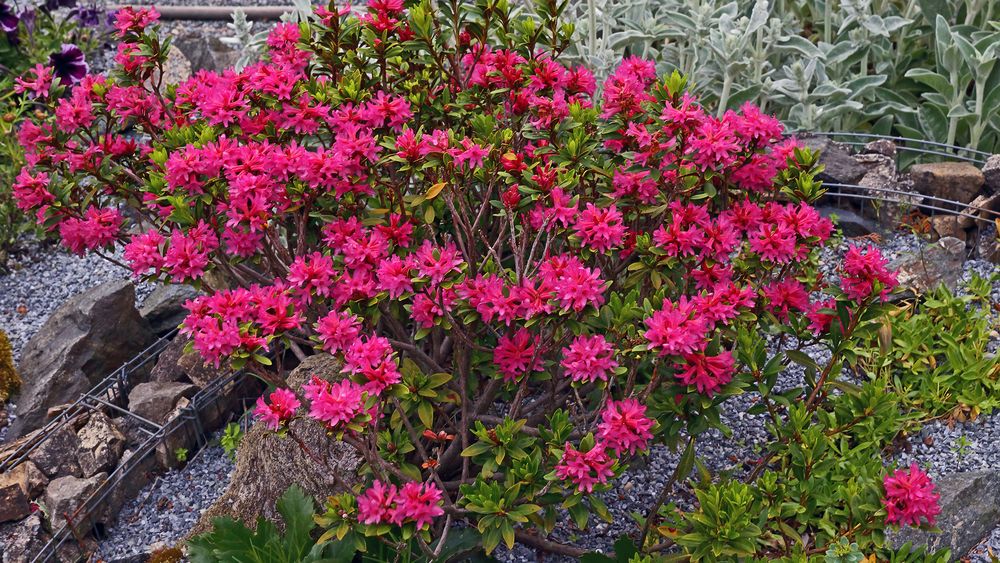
[52, 5]
[8, 19]
[69, 64]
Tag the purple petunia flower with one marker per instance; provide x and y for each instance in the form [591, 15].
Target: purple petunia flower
[69, 64]
[8, 19]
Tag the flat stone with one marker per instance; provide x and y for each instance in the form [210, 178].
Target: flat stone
[850, 223]
[65, 494]
[948, 226]
[939, 263]
[101, 445]
[981, 207]
[14, 503]
[956, 181]
[155, 400]
[970, 509]
[196, 370]
[28, 477]
[56, 456]
[884, 147]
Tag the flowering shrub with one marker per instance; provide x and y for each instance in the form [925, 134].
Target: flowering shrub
[528, 284]
[33, 35]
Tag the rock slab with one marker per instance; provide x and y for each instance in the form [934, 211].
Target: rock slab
[958, 181]
[970, 509]
[101, 445]
[154, 400]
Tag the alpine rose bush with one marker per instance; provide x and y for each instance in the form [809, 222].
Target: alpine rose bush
[529, 280]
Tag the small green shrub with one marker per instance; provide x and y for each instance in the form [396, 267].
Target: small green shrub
[947, 369]
[230, 440]
[10, 381]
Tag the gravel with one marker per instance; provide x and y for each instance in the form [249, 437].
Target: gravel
[166, 509]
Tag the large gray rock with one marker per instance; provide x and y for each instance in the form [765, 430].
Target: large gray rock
[56, 456]
[970, 509]
[991, 174]
[155, 400]
[65, 494]
[839, 166]
[20, 541]
[176, 365]
[938, 263]
[893, 193]
[266, 464]
[85, 339]
[164, 308]
[957, 181]
[101, 445]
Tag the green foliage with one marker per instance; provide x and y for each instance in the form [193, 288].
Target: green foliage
[181, 454]
[10, 381]
[230, 440]
[948, 369]
[232, 541]
[923, 70]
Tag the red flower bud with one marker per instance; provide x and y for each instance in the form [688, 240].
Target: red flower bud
[511, 197]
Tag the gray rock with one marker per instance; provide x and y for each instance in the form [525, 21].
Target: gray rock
[56, 456]
[939, 263]
[206, 52]
[20, 541]
[155, 400]
[958, 181]
[884, 147]
[14, 503]
[266, 463]
[883, 183]
[948, 226]
[65, 494]
[101, 445]
[852, 224]
[970, 508]
[839, 166]
[197, 370]
[88, 337]
[166, 368]
[164, 308]
[981, 207]
[991, 174]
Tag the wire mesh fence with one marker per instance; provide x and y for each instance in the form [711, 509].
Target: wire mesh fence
[211, 407]
[907, 152]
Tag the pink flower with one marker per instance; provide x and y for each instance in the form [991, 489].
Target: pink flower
[600, 228]
[471, 155]
[625, 427]
[774, 242]
[394, 276]
[312, 275]
[35, 82]
[819, 322]
[334, 403]
[517, 355]
[143, 252]
[784, 297]
[589, 358]
[97, 229]
[706, 373]
[129, 19]
[32, 192]
[280, 410]
[419, 503]
[585, 469]
[910, 496]
[865, 272]
[437, 262]
[677, 328]
[338, 330]
[375, 504]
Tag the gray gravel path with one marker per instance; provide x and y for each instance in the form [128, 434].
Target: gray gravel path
[166, 509]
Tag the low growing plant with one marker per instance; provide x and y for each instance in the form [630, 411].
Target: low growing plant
[528, 286]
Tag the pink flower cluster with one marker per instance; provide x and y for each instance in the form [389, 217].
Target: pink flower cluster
[624, 428]
[910, 498]
[418, 503]
[279, 410]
